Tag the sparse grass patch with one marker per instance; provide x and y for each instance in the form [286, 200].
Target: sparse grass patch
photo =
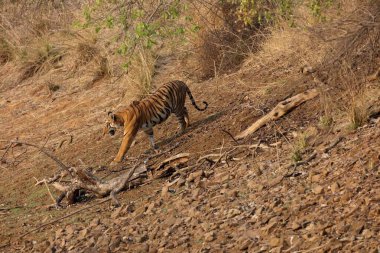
[85, 52]
[358, 113]
[325, 122]
[6, 52]
[39, 59]
[36, 196]
[301, 143]
[141, 72]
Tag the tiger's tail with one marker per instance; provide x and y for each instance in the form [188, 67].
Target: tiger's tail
[193, 101]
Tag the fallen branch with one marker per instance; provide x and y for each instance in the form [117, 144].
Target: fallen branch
[333, 144]
[43, 150]
[84, 179]
[281, 109]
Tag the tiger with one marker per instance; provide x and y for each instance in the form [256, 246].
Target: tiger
[150, 111]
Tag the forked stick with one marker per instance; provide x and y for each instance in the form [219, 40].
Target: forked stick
[43, 150]
[281, 109]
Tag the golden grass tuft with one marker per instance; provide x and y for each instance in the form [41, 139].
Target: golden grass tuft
[39, 59]
[141, 72]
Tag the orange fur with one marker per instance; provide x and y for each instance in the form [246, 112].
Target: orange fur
[145, 114]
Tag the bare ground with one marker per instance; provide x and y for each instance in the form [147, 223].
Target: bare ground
[252, 202]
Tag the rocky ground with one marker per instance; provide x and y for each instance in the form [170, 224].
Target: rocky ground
[307, 182]
[247, 202]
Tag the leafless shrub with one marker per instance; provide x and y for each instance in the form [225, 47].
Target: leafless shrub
[225, 42]
[356, 55]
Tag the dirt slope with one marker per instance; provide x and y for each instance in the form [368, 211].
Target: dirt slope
[252, 204]
[242, 198]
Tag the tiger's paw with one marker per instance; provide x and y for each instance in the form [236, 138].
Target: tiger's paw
[114, 164]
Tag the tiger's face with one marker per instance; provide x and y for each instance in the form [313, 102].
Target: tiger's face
[111, 124]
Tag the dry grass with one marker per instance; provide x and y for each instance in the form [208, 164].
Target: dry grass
[355, 56]
[342, 51]
[38, 59]
[224, 41]
[220, 51]
[6, 52]
[141, 73]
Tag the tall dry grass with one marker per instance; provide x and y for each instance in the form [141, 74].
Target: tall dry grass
[224, 41]
[342, 51]
[141, 72]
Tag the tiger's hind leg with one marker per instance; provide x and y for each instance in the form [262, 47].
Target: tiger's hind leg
[183, 119]
[149, 132]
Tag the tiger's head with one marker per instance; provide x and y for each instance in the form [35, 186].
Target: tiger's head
[112, 123]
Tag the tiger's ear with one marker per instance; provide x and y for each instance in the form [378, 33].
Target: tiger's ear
[135, 102]
[112, 116]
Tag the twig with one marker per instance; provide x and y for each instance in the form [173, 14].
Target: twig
[43, 150]
[51, 195]
[6, 151]
[258, 145]
[64, 217]
[9, 208]
[294, 166]
[333, 144]
[232, 137]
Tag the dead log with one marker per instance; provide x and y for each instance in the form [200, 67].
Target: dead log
[84, 179]
[281, 109]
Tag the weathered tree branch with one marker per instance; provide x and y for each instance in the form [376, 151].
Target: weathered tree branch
[281, 109]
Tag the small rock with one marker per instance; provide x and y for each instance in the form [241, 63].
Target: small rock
[95, 222]
[196, 192]
[195, 176]
[90, 242]
[275, 242]
[82, 234]
[115, 242]
[117, 212]
[69, 232]
[181, 182]
[367, 233]
[165, 192]
[316, 178]
[232, 213]
[210, 236]
[150, 208]
[58, 233]
[296, 225]
[244, 244]
[318, 189]
[334, 187]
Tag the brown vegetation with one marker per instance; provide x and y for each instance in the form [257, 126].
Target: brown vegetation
[305, 182]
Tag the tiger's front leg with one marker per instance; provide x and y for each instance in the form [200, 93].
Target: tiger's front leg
[128, 138]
